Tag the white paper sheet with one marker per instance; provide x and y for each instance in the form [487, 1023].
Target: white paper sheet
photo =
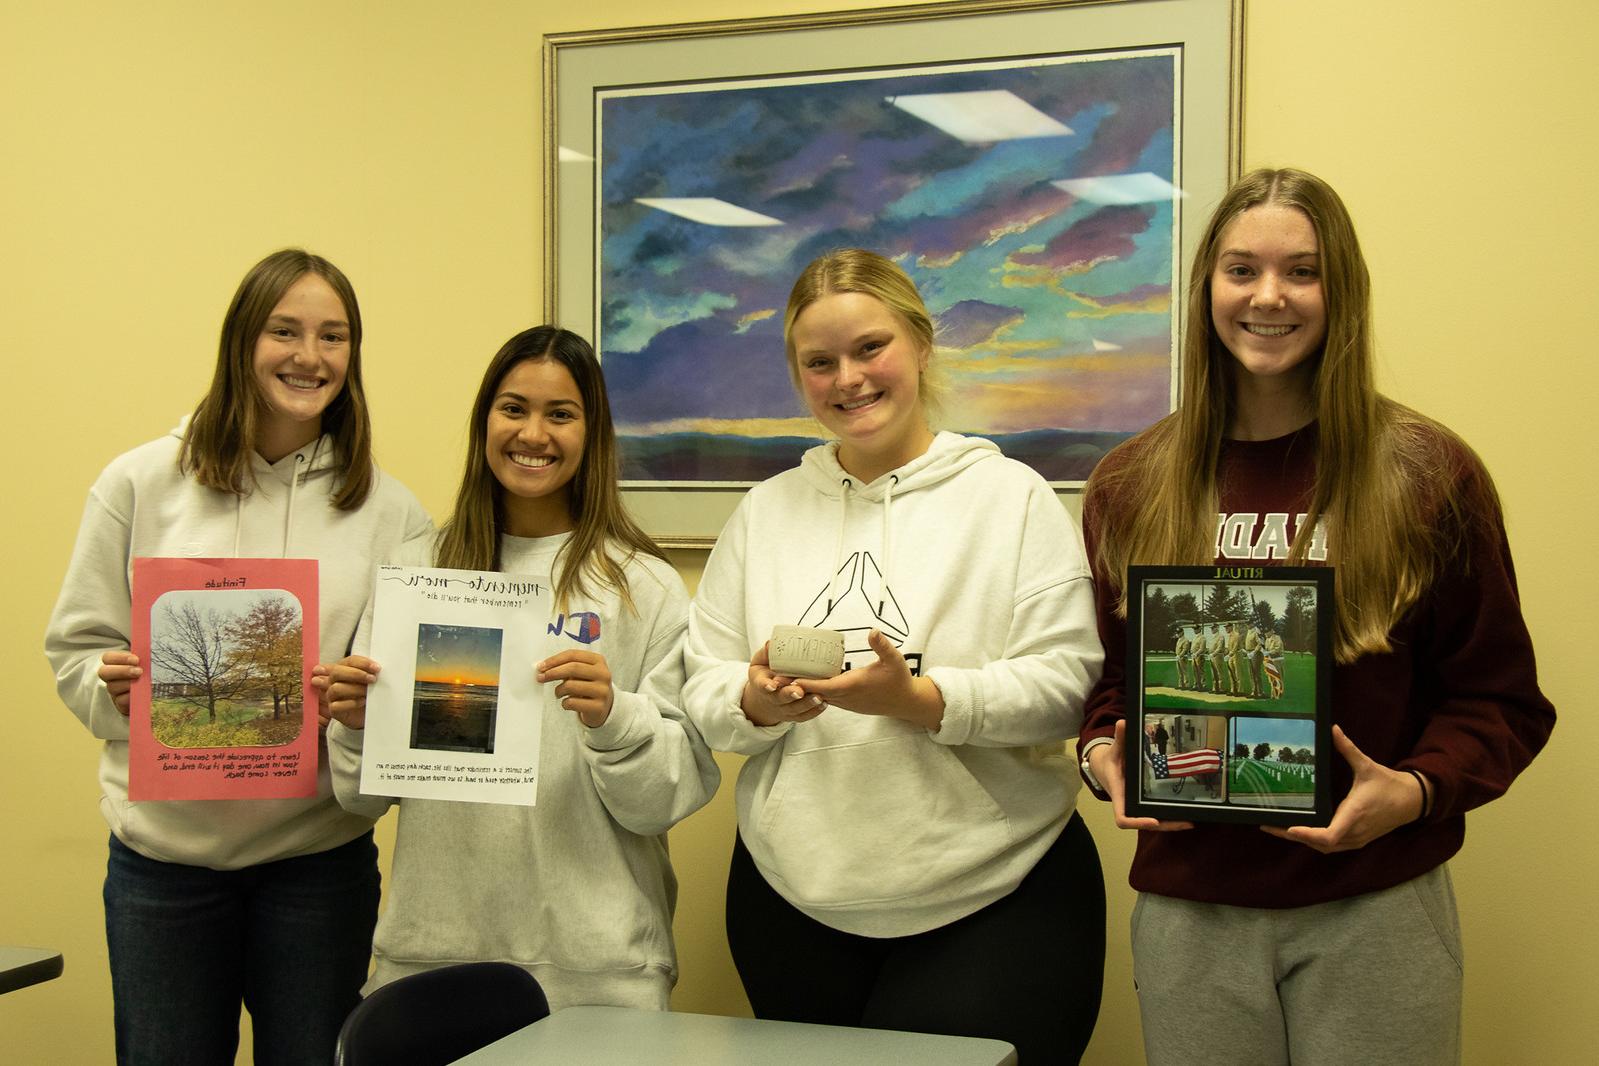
[455, 711]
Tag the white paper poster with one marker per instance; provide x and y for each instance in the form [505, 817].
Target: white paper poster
[455, 711]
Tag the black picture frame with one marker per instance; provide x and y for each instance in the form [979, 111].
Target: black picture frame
[1239, 731]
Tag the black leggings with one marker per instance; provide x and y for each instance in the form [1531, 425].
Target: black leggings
[1027, 968]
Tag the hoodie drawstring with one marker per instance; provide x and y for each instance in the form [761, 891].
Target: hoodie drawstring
[846, 485]
[302, 467]
[838, 547]
[888, 536]
[294, 484]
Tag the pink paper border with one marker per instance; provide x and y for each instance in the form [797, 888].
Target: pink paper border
[153, 578]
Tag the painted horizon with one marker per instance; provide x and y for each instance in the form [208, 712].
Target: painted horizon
[1055, 314]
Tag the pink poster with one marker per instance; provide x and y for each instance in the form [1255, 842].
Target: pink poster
[225, 708]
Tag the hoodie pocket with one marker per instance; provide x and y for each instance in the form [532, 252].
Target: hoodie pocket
[876, 821]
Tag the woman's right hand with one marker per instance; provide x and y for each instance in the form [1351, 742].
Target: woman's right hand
[772, 699]
[1106, 762]
[119, 670]
[343, 686]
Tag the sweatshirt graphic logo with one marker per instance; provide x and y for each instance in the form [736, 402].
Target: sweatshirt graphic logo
[1246, 535]
[860, 602]
[581, 626]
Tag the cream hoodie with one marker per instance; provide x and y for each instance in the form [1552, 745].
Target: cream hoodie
[577, 889]
[966, 561]
[141, 505]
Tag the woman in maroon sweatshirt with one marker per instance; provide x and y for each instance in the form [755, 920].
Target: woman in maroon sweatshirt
[1315, 945]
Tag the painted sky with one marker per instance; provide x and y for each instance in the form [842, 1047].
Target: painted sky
[1022, 276]
[468, 655]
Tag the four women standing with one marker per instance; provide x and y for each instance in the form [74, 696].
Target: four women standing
[908, 854]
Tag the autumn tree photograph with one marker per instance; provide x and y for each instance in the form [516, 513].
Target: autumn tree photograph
[226, 668]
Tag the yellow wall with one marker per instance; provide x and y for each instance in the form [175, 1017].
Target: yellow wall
[150, 152]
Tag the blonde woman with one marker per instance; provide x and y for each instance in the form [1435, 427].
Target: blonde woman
[1338, 944]
[908, 852]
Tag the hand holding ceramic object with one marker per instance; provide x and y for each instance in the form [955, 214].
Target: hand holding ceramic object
[799, 651]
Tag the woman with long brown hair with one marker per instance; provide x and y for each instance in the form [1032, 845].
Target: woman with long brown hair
[579, 889]
[271, 902]
[1336, 944]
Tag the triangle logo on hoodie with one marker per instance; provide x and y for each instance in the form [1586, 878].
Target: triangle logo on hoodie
[862, 602]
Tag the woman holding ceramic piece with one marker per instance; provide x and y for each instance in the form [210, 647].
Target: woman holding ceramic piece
[908, 854]
[1337, 944]
[578, 889]
[271, 902]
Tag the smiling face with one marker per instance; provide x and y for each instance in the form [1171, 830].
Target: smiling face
[859, 369]
[1266, 295]
[534, 446]
[301, 357]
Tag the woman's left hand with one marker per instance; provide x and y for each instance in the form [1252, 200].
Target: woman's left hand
[885, 687]
[1380, 801]
[584, 684]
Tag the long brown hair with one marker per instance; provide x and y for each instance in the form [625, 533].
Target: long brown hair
[1383, 491]
[221, 434]
[471, 538]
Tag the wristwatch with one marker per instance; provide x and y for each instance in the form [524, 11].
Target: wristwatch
[1086, 768]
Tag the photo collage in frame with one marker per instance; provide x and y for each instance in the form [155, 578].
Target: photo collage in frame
[1229, 680]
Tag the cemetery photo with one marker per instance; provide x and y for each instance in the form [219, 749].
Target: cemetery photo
[1272, 762]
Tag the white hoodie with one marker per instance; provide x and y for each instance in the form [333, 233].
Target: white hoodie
[966, 561]
[142, 505]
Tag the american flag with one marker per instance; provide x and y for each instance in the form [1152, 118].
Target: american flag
[1186, 763]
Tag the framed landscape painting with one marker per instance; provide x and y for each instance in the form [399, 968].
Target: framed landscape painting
[1039, 170]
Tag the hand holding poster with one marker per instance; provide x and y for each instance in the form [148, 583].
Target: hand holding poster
[224, 708]
[455, 713]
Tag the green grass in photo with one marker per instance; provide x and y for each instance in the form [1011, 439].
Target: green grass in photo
[239, 724]
[1265, 777]
[1161, 691]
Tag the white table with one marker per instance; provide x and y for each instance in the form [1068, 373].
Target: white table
[21, 967]
[601, 1036]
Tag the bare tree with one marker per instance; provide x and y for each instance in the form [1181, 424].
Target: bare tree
[269, 648]
[195, 655]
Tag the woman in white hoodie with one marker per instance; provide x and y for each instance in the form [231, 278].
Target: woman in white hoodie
[908, 853]
[268, 902]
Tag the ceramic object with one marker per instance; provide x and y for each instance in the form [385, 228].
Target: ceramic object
[799, 651]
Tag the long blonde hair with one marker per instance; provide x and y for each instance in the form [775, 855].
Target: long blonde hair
[470, 539]
[221, 434]
[1386, 488]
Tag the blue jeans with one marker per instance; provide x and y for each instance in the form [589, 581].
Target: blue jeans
[290, 939]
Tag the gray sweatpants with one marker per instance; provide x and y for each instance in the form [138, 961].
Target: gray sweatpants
[1374, 979]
